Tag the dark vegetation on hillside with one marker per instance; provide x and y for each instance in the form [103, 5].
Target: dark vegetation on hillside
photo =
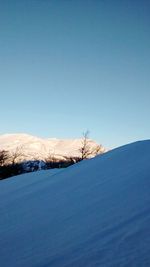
[14, 163]
[9, 170]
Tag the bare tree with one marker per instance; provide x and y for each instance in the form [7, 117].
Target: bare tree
[16, 155]
[85, 150]
[4, 157]
[97, 150]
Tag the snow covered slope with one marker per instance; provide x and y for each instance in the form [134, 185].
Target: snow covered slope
[34, 148]
[94, 213]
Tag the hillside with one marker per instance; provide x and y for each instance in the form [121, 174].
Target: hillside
[94, 213]
[35, 148]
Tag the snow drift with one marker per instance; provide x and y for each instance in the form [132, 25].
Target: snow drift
[95, 213]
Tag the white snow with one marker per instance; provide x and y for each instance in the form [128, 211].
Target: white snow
[95, 213]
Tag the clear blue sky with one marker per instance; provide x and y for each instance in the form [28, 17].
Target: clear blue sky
[67, 66]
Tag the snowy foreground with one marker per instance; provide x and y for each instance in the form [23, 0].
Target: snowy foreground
[95, 213]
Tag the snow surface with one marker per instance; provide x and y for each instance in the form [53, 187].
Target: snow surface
[94, 213]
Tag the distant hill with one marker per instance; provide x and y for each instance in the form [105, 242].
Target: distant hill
[35, 148]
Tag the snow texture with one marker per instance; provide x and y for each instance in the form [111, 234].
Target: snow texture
[94, 213]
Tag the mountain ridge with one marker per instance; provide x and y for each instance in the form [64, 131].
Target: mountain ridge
[36, 148]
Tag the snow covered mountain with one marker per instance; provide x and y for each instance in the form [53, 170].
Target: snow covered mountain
[34, 148]
[94, 213]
